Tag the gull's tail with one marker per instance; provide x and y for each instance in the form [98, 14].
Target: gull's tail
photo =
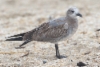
[18, 37]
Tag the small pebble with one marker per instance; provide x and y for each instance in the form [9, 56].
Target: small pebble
[81, 64]
[44, 62]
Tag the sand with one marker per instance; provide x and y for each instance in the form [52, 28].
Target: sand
[18, 16]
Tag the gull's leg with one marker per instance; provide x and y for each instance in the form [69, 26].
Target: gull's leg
[57, 52]
[20, 46]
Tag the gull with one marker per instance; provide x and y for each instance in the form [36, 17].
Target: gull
[52, 31]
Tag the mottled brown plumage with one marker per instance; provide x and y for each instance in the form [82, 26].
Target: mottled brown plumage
[47, 33]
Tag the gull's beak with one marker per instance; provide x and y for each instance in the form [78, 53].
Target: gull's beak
[78, 14]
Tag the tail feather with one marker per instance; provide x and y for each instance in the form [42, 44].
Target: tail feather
[18, 37]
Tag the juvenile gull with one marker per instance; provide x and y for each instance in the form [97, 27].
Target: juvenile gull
[53, 31]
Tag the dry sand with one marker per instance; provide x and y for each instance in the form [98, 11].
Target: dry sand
[17, 16]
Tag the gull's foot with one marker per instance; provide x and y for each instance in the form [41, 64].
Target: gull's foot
[19, 47]
[61, 56]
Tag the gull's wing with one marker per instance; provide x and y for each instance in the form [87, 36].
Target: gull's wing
[47, 32]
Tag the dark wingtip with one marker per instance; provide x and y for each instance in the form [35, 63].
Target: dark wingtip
[14, 39]
[18, 37]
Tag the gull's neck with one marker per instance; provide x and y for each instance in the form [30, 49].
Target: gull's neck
[71, 20]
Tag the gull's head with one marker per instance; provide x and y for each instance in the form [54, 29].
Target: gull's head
[73, 12]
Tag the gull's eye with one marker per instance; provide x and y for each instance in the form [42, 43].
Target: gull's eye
[72, 11]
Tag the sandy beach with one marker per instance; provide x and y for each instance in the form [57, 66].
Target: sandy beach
[18, 16]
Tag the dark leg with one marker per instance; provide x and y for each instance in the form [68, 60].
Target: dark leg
[20, 46]
[57, 52]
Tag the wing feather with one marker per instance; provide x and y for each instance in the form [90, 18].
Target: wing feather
[47, 32]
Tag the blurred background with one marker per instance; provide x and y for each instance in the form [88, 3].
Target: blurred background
[18, 16]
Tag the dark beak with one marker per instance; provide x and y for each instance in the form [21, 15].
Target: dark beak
[79, 14]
